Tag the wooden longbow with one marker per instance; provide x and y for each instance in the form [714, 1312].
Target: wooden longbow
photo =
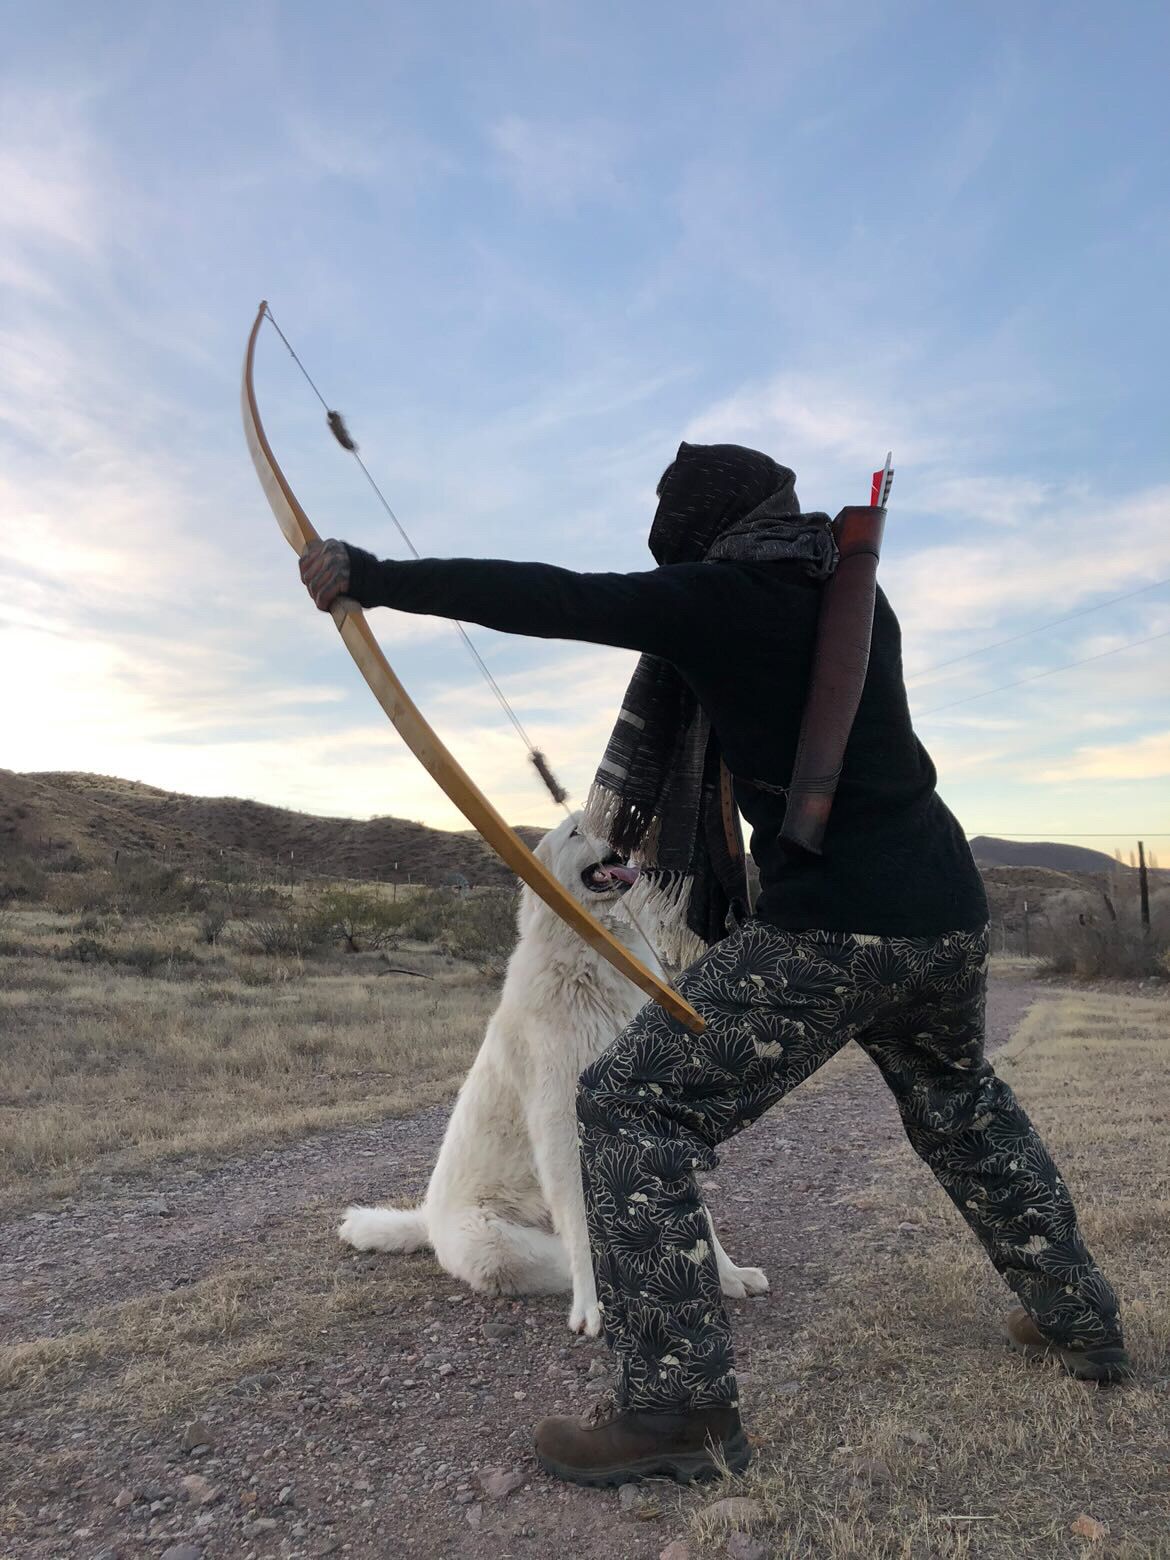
[416, 732]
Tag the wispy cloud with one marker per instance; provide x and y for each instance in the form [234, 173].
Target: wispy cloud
[52, 175]
[559, 165]
[1145, 758]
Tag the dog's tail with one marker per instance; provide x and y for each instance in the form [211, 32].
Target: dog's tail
[385, 1229]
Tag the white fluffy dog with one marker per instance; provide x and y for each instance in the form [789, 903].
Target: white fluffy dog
[504, 1210]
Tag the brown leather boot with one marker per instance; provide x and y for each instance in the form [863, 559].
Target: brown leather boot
[1105, 1363]
[615, 1445]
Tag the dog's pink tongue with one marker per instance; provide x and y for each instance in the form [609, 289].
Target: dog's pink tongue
[624, 874]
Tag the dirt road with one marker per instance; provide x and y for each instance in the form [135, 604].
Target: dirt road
[403, 1426]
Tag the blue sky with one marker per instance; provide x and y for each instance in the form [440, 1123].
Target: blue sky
[526, 248]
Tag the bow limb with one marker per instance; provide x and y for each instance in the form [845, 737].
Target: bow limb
[421, 739]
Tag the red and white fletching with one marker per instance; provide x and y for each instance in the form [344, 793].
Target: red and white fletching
[883, 481]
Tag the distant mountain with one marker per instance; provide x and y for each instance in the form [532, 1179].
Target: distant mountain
[990, 852]
[96, 815]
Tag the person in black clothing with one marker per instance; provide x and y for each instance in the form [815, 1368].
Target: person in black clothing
[882, 939]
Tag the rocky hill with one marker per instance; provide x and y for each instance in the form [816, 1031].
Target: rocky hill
[54, 815]
[57, 816]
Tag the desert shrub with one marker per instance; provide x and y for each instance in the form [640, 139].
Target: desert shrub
[426, 915]
[146, 958]
[8, 938]
[481, 929]
[265, 972]
[89, 950]
[229, 873]
[478, 928]
[361, 918]
[142, 887]
[69, 860]
[286, 934]
[21, 878]
[134, 886]
[88, 894]
[1092, 937]
[211, 923]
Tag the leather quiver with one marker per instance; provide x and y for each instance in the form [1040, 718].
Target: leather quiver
[840, 662]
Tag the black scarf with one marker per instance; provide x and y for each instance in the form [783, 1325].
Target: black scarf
[656, 793]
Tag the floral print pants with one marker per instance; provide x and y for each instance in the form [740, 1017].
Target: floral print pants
[655, 1105]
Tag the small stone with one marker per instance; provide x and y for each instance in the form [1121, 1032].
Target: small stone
[597, 1368]
[464, 1497]
[197, 1437]
[498, 1332]
[158, 1206]
[871, 1470]
[498, 1484]
[123, 1499]
[198, 1490]
[918, 1438]
[446, 1368]
[742, 1546]
[285, 1496]
[474, 1514]
[906, 1228]
[630, 1498]
[677, 1549]
[253, 1383]
[519, 1396]
[787, 1389]
[735, 1511]
[264, 1525]
[182, 1552]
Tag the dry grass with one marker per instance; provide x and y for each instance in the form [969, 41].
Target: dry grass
[157, 1354]
[112, 1065]
[987, 1456]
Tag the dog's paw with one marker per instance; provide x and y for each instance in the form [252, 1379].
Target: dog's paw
[740, 1282]
[585, 1317]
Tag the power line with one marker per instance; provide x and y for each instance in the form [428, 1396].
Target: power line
[1051, 672]
[1039, 629]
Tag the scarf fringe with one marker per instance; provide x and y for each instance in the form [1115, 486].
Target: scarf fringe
[622, 824]
[663, 899]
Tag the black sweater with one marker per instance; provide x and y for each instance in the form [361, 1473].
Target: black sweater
[895, 861]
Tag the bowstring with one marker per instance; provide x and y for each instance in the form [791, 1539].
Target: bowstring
[485, 670]
[560, 795]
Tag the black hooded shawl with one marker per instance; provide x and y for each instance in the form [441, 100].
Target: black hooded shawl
[656, 793]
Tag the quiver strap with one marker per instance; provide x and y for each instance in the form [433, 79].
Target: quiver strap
[840, 662]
